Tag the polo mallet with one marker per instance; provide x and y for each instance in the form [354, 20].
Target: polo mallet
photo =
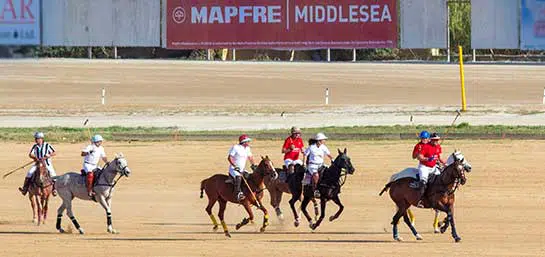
[16, 169]
[251, 192]
[451, 125]
[88, 129]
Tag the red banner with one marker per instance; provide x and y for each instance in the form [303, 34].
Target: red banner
[281, 24]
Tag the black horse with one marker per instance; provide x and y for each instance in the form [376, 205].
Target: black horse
[331, 181]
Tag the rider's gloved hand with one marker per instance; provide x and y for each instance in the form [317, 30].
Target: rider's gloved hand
[253, 167]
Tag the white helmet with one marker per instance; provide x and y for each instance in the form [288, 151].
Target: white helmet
[38, 135]
[97, 138]
[320, 136]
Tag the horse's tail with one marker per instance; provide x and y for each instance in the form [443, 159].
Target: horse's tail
[202, 188]
[385, 189]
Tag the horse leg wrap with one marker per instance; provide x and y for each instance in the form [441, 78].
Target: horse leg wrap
[266, 220]
[75, 222]
[59, 218]
[109, 218]
[224, 226]
[213, 218]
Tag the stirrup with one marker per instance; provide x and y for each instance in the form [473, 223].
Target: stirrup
[240, 196]
[317, 193]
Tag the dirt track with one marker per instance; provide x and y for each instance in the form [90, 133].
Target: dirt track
[215, 95]
[158, 212]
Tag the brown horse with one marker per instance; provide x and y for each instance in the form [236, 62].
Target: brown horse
[277, 187]
[439, 195]
[219, 190]
[39, 190]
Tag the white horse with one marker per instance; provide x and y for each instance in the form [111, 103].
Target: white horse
[72, 185]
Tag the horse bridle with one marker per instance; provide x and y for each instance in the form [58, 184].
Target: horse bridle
[343, 174]
[122, 173]
[459, 177]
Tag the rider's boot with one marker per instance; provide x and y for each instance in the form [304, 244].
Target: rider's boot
[423, 185]
[238, 191]
[89, 184]
[24, 189]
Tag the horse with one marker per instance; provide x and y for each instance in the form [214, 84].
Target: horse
[438, 196]
[219, 188]
[329, 185]
[39, 190]
[277, 187]
[72, 185]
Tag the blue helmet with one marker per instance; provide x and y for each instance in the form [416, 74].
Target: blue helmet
[424, 134]
[96, 138]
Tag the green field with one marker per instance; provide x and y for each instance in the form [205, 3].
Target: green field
[462, 131]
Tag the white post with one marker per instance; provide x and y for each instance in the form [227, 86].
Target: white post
[329, 55]
[90, 52]
[474, 55]
[327, 96]
[115, 52]
[103, 95]
[354, 55]
[208, 55]
[544, 95]
[234, 54]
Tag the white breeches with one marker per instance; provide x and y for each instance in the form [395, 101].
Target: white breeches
[312, 169]
[289, 162]
[424, 172]
[33, 169]
[87, 167]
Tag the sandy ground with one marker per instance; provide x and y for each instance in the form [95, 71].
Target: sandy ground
[241, 95]
[499, 212]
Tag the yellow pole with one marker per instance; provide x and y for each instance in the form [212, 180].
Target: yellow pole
[462, 79]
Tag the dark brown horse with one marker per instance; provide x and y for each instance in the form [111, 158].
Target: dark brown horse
[39, 190]
[439, 195]
[218, 190]
[329, 185]
[277, 187]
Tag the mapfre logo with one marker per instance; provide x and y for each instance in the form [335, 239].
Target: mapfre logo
[179, 14]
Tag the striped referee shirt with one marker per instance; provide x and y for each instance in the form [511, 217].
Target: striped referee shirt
[40, 151]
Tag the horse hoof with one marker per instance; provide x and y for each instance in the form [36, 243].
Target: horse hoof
[436, 231]
[332, 218]
[419, 237]
[238, 226]
[281, 217]
[34, 221]
[443, 230]
[296, 223]
[457, 239]
[227, 234]
[81, 231]
[112, 231]
[262, 229]
[215, 228]
[399, 239]
[62, 231]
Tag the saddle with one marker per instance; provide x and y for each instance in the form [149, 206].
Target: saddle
[97, 173]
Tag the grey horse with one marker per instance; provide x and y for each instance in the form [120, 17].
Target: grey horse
[71, 185]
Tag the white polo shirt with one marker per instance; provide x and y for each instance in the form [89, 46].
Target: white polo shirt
[93, 158]
[316, 154]
[240, 154]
